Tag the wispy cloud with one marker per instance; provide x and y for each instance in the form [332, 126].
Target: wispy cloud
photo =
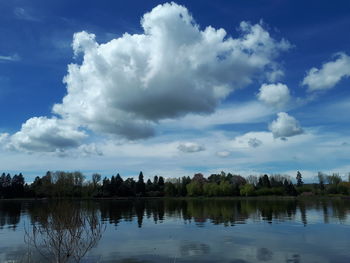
[14, 57]
[234, 113]
[24, 14]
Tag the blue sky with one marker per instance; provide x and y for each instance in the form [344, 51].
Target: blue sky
[246, 87]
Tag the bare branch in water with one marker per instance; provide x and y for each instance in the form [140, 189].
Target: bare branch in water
[65, 234]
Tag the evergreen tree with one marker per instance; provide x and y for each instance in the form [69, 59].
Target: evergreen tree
[106, 187]
[119, 181]
[140, 186]
[161, 181]
[129, 185]
[36, 186]
[266, 181]
[149, 185]
[299, 179]
[17, 185]
[113, 186]
[2, 185]
[155, 183]
[2, 180]
[155, 180]
[8, 180]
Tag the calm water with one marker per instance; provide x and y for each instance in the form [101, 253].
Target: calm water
[235, 231]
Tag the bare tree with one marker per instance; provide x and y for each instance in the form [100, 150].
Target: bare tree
[252, 179]
[66, 234]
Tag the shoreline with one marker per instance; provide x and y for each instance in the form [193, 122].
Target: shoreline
[202, 198]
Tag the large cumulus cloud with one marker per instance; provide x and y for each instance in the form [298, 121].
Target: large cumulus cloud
[174, 68]
[125, 86]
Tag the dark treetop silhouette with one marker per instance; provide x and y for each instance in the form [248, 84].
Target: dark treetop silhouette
[73, 184]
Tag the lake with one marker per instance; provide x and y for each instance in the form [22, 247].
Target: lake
[175, 230]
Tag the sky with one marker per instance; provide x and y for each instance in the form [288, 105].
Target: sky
[175, 88]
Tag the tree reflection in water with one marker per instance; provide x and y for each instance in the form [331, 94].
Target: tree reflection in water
[64, 233]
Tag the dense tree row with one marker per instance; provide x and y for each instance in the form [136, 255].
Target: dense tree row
[12, 186]
[74, 184]
[234, 185]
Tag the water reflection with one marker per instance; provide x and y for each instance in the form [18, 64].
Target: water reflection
[192, 248]
[294, 259]
[215, 211]
[63, 232]
[161, 230]
[226, 212]
[10, 214]
[264, 254]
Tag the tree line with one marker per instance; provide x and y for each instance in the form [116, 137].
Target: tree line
[61, 184]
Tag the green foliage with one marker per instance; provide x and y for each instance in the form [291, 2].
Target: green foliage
[289, 188]
[332, 189]
[226, 189]
[247, 190]
[194, 188]
[343, 188]
[211, 189]
[62, 184]
[170, 189]
[270, 191]
[340, 188]
[304, 189]
[334, 179]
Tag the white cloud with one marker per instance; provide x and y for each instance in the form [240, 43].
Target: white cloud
[297, 150]
[89, 149]
[234, 113]
[329, 75]
[126, 85]
[159, 155]
[285, 126]
[190, 147]
[14, 57]
[46, 135]
[4, 137]
[223, 154]
[251, 140]
[275, 75]
[275, 95]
